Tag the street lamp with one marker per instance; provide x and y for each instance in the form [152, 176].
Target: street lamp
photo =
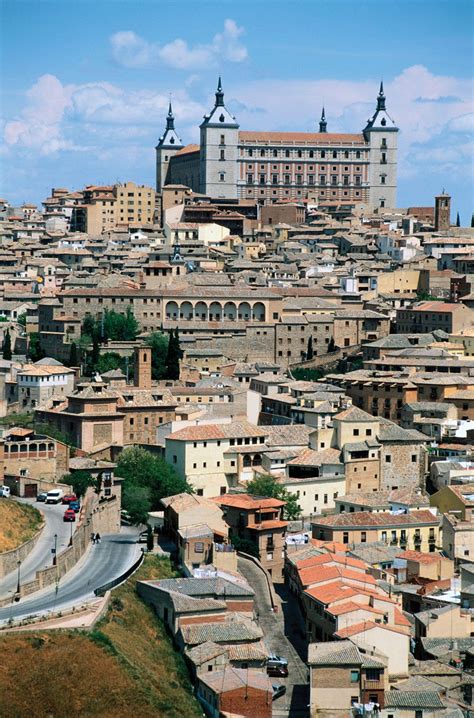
[18, 563]
[55, 548]
[70, 537]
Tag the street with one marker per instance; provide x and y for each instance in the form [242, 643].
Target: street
[40, 556]
[100, 564]
[276, 628]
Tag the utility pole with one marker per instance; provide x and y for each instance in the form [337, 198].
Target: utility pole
[55, 549]
[18, 563]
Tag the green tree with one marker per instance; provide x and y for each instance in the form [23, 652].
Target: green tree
[173, 356]
[21, 319]
[265, 485]
[458, 220]
[246, 546]
[35, 350]
[73, 355]
[109, 361]
[130, 326]
[136, 500]
[158, 341]
[309, 351]
[89, 327]
[141, 468]
[54, 433]
[7, 346]
[80, 481]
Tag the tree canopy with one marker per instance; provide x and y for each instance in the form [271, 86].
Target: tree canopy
[80, 481]
[158, 341]
[112, 326]
[147, 479]
[174, 355]
[7, 345]
[265, 485]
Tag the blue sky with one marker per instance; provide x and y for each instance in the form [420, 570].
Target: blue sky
[85, 84]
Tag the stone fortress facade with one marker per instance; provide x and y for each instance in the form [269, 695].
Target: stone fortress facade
[234, 164]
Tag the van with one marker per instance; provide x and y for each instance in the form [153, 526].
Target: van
[5, 492]
[274, 661]
[54, 496]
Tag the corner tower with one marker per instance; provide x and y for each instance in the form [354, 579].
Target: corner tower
[219, 150]
[381, 133]
[168, 144]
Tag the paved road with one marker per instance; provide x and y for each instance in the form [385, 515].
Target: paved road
[276, 628]
[40, 556]
[102, 563]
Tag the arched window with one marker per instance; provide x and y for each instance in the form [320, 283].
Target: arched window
[311, 153]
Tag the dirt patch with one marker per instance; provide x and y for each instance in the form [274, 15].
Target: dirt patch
[18, 523]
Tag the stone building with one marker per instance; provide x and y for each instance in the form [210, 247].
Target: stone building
[272, 166]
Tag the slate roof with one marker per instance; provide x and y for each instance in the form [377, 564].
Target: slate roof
[413, 699]
[354, 414]
[231, 679]
[334, 653]
[222, 632]
[201, 587]
[367, 518]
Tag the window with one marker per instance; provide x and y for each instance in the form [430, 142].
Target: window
[345, 537]
[175, 459]
[382, 179]
[222, 155]
[275, 153]
[287, 153]
[418, 714]
[222, 139]
[363, 536]
[325, 498]
[334, 155]
[354, 676]
[222, 177]
[249, 179]
[388, 459]
[199, 547]
[414, 458]
[355, 432]
[262, 153]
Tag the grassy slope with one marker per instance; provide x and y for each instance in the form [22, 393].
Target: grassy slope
[126, 667]
[18, 523]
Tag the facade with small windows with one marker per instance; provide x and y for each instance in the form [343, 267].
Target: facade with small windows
[273, 166]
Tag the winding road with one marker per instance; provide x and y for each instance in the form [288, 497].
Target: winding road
[100, 564]
[41, 556]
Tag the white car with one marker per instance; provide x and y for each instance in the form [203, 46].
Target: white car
[54, 496]
[5, 492]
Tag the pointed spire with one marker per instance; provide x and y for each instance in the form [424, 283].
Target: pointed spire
[219, 94]
[322, 122]
[170, 118]
[381, 98]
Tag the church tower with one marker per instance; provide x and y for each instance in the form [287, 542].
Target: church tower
[323, 125]
[168, 145]
[219, 152]
[381, 134]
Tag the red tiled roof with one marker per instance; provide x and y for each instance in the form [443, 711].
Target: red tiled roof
[330, 558]
[420, 556]
[368, 518]
[350, 606]
[318, 574]
[187, 150]
[366, 626]
[247, 501]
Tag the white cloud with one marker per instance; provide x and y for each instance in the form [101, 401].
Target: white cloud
[131, 50]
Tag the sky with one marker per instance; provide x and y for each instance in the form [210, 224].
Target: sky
[85, 84]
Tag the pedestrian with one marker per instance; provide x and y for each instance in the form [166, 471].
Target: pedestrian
[93, 537]
[97, 537]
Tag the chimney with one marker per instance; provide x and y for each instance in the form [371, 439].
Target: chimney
[142, 378]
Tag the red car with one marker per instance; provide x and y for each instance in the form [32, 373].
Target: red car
[69, 515]
[68, 498]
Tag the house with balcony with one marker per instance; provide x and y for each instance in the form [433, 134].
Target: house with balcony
[260, 521]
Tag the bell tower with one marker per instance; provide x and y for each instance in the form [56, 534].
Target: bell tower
[381, 134]
[219, 150]
[142, 376]
[442, 212]
[168, 145]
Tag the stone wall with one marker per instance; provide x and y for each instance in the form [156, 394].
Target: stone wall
[9, 559]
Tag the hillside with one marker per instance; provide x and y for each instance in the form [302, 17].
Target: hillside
[126, 667]
[18, 523]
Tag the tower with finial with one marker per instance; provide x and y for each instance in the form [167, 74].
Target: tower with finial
[219, 153]
[168, 145]
[323, 125]
[381, 134]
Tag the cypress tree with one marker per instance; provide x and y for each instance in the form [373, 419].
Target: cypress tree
[73, 355]
[472, 220]
[173, 356]
[458, 220]
[7, 346]
[310, 352]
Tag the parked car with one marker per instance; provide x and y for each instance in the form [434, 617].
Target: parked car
[278, 690]
[69, 515]
[54, 496]
[67, 498]
[5, 492]
[42, 496]
[275, 661]
[277, 671]
[75, 506]
[143, 537]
